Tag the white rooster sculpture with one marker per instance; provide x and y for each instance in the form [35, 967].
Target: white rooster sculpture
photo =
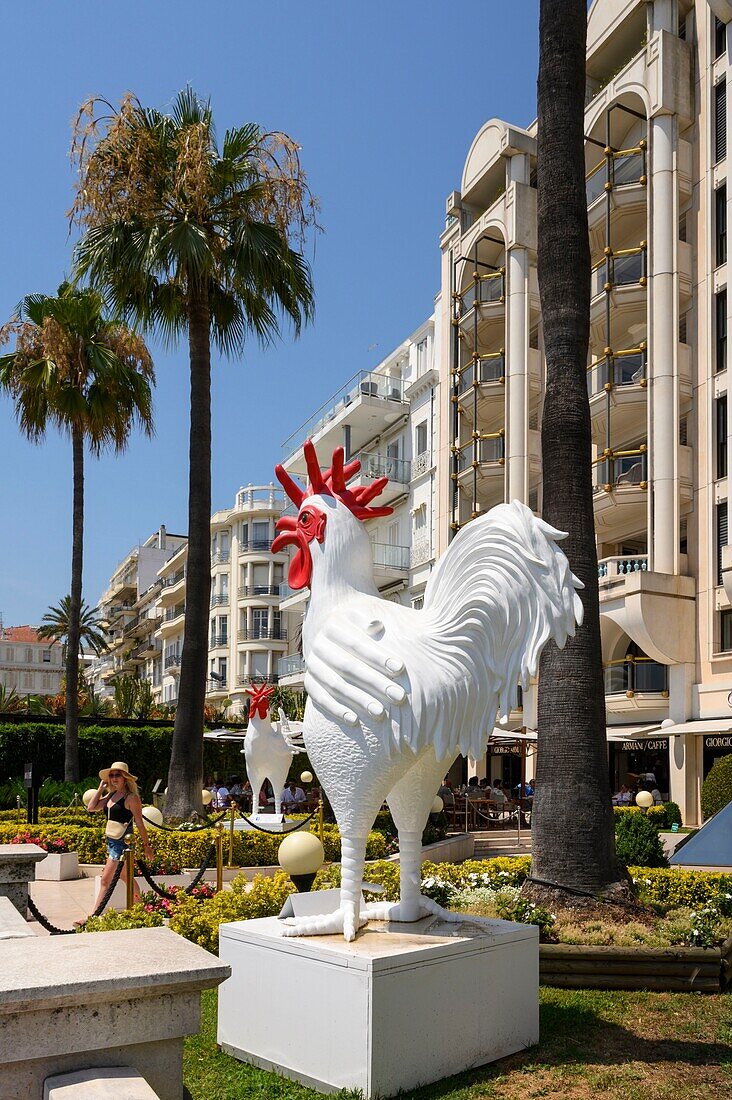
[268, 746]
[394, 694]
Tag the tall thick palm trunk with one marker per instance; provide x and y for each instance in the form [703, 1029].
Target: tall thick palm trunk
[71, 749]
[185, 776]
[572, 827]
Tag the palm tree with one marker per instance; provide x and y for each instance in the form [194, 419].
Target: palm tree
[90, 376]
[572, 826]
[92, 628]
[189, 239]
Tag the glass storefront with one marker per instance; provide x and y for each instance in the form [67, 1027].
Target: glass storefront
[640, 756]
[716, 745]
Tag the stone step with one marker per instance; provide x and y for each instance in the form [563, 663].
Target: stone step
[103, 1083]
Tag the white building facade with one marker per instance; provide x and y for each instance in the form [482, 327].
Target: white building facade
[29, 665]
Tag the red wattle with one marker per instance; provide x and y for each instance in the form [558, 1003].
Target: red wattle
[301, 568]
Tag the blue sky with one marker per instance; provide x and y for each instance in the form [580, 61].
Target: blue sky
[385, 99]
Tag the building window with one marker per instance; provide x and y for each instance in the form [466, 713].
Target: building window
[683, 432]
[9, 653]
[720, 121]
[420, 518]
[260, 622]
[721, 435]
[28, 655]
[720, 326]
[720, 206]
[721, 520]
[47, 656]
[725, 631]
[421, 438]
[720, 37]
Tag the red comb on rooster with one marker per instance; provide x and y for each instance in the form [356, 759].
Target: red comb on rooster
[261, 695]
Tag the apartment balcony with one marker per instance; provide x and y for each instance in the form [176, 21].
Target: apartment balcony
[398, 471]
[291, 670]
[635, 683]
[421, 465]
[171, 664]
[291, 598]
[143, 623]
[218, 641]
[656, 610]
[366, 405]
[259, 498]
[220, 599]
[391, 563]
[486, 293]
[149, 648]
[221, 557]
[256, 634]
[257, 546]
[217, 687]
[172, 587]
[622, 175]
[173, 621]
[481, 463]
[257, 591]
[245, 681]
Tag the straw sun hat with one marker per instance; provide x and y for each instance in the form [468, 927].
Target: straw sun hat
[118, 766]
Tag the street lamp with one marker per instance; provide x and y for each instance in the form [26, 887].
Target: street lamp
[644, 800]
[301, 855]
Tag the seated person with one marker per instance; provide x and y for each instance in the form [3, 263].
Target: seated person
[293, 795]
[221, 798]
[497, 794]
[236, 791]
[485, 788]
[446, 793]
[473, 789]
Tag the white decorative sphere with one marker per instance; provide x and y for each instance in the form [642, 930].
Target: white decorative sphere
[152, 814]
[301, 854]
[87, 796]
[437, 806]
[206, 797]
[307, 777]
[644, 799]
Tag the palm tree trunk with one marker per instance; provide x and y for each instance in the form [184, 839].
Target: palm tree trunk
[185, 776]
[573, 825]
[71, 753]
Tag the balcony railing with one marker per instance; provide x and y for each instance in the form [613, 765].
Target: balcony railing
[255, 546]
[487, 449]
[635, 675]
[288, 666]
[390, 557]
[621, 470]
[218, 640]
[483, 290]
[616, 169]
[486, 368]
[246, 591]
[221, 557]
[172, 661]
[175, 612]
[220, 599]
[421, 464]
[622, 566]
[361, 385]
[376, 465]
[242, 681]
[285, 591]
[262, 633]
[213, 686]
[624, 268]
[621, 368]
[177, 577]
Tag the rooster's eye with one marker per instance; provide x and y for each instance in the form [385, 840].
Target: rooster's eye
[305, 518]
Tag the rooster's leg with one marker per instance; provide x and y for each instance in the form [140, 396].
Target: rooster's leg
[348, 917]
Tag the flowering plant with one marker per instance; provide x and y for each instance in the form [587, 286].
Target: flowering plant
[153, 903]
[54, 845]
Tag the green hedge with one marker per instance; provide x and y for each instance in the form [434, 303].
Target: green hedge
[185, 849]
[663, 816]
[146, 750]
[675, 888]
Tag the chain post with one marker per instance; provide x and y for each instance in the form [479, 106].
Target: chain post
[219, 857]
[232, 814]
[130, 884]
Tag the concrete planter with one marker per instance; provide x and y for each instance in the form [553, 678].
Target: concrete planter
[667, 969]
[451, 849]
[59, 866]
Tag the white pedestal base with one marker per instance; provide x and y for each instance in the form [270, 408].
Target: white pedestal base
[401, 1006]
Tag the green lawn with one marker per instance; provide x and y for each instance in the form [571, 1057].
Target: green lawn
[633, 1046]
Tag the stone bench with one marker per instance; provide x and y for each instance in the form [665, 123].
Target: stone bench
[100, 999]
[17, 869]
[115, 1083]
[12, 925]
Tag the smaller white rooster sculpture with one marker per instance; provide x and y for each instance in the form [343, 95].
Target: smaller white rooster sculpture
[269, 746]
[394, 694]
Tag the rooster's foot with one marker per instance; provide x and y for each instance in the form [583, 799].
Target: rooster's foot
[410, 911]
[342, 920]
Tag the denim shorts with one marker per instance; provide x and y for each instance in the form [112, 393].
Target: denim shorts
[115, 848]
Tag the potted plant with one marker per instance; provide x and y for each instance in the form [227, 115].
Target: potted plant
[59, 865]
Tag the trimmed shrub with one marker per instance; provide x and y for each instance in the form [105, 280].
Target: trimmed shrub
[663, 816]
[637, 842]
[199, 921]
[716, 790]
[674, 888]
[111, 921]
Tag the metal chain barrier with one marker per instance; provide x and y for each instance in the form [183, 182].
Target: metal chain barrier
[282, 832]
[161, 891]
[180, 828]
[45, 922]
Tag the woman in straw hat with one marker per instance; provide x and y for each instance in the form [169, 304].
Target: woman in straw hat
[117, 795]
